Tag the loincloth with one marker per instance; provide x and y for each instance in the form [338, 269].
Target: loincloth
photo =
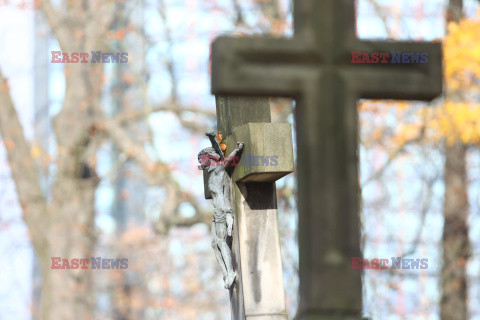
[220, 216]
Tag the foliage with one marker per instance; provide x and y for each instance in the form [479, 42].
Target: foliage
[455, 118]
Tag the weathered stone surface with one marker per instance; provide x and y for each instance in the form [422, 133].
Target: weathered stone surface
[315, 68]
[234, 111]
[262, 142]
[259, 248]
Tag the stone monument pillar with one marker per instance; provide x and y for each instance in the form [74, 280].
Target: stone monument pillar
[258, 292]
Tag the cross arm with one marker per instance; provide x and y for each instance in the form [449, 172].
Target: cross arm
[284, 67]
[258, 66]
[409, 81]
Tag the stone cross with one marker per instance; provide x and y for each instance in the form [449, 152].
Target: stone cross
[258, 292]
[315, 67]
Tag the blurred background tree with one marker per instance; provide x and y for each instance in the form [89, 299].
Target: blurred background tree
[103, 140]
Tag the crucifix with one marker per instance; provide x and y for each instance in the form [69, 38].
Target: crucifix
[315, 68]
[267, 155]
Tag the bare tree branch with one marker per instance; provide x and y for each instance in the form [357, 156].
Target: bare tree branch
[133, 115]
[382, 13]
[162, 10]
[104, 15]
[427, 201]
[170, 217]
[158, 174]
[22, 166]
[239, 20]
[57, 21]
[392, 157]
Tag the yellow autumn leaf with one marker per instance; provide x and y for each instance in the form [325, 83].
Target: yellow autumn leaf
[35, 152]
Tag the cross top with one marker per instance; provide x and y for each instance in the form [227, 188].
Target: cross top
[326, 25]
[323, 43]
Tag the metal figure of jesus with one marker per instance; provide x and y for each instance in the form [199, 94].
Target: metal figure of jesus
[212, 160]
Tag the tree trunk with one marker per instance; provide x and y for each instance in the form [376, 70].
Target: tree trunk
[455, 240]
[456, 243]
[67, 294]
[68, 223]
